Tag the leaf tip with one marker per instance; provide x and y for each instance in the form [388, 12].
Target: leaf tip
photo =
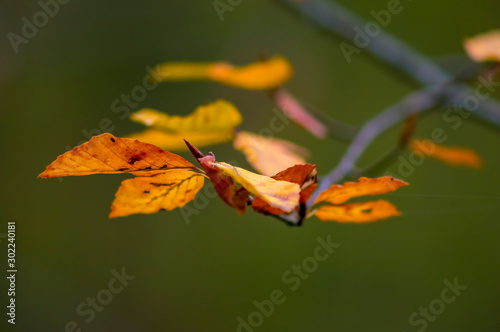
[194, 151]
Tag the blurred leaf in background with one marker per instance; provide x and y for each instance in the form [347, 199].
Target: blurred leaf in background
[83, 73]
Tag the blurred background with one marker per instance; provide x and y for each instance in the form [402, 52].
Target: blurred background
[202, 272]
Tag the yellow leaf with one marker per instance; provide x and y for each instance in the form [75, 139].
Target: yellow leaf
[219, 115]
[283, 195]
[484, 47]
[182, 71]
[262, 75]
[357, 212]
[207, 125]
[304, 175]
[455, 156]
[175, 142]
[107, 154]
[338, 194]
[269, 155]
[151, 194]
[279, 194]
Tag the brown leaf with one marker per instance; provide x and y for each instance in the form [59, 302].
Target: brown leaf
[107, 154]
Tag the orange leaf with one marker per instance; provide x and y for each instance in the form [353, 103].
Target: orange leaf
[455, 156]
[357, 212]
[338, 194]
[107, 154]
[262, 75]
[303, 175]
[165, 180]
[279, 194]
[269, 155]
[165, 191]
[484, 47]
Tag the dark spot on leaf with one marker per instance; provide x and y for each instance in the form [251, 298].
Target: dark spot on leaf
[133, 160]
[112, 139]
[123, 169]
[156, 184]
[164, 167]
[146, 191]
[366, 210]
[145, 168]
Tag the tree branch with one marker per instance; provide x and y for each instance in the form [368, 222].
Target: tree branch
[414, 103]
[334, 18]
[440, 87]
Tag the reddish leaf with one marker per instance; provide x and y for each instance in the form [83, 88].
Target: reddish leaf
[303, 175]
[224, 177]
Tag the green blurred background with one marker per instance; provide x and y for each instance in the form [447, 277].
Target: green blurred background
[203, 273]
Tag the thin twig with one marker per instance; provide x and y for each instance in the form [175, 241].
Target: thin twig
[441, 88]
[414, 103]
[334, 18]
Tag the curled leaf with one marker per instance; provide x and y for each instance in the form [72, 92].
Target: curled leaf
[484, 47]
[207, 125]
[338, 194]
[304, 175]
[269, 155]
[455, 156]
[357, 212]
[107, 154]
[225, 185]
[261, 75]
[165, 191]
[279, 194]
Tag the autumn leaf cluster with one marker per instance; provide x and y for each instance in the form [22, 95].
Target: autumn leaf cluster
[286, 184]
